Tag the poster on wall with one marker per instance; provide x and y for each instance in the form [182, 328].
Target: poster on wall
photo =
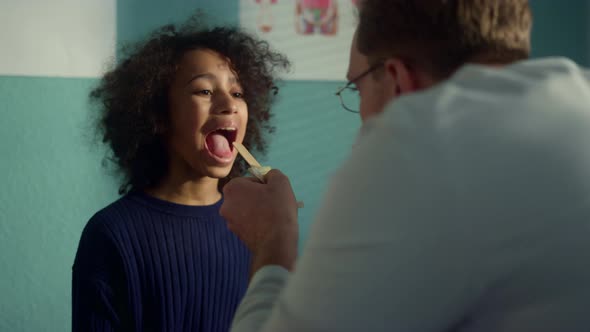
[314, 34]
[65, 38]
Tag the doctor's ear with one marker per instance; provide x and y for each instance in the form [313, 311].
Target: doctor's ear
[405, 77]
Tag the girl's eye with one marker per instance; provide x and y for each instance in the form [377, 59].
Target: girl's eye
[238, 95]
[205, 92]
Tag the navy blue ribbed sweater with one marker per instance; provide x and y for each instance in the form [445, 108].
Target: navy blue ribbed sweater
[144, 264]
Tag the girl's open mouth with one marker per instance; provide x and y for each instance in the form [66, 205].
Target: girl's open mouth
[219, 143]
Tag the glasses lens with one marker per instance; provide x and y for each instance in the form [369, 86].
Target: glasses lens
[350, 99]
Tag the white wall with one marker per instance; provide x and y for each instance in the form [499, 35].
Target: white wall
[59, 38]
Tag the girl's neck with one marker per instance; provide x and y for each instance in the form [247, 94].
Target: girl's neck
[194, 191]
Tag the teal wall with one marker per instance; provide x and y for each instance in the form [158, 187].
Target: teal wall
[135, 18]
[561, 28]
[53, 181]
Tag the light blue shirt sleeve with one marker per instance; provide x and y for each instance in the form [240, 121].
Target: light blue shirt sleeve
[263, 291]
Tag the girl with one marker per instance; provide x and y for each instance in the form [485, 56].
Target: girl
[160, 258]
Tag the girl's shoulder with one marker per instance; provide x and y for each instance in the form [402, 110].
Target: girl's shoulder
[117, 215]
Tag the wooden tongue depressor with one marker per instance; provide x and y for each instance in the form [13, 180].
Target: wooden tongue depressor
[255, 169]
[246, 155]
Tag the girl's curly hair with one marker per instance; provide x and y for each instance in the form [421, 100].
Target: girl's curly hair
[132, 98]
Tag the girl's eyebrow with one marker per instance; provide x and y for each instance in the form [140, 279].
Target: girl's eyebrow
[210, 77]
[206, 76]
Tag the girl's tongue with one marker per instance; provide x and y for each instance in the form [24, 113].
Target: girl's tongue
[218, 145]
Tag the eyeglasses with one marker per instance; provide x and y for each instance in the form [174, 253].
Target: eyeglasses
[349, 97]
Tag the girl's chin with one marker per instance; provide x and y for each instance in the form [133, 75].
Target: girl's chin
[219, 172]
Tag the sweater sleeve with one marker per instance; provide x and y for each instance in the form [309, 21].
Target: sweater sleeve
[97, 279]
